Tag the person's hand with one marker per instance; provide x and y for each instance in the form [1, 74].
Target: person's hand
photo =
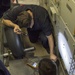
[17, 29]
[53, 57]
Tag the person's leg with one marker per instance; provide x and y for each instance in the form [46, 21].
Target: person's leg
[33, 35]
[44, 41]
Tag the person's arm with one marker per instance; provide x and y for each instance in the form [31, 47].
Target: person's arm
[51, 45]
[11, 24]
[8, 23]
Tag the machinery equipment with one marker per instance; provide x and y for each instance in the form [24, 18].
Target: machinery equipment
[62, 14]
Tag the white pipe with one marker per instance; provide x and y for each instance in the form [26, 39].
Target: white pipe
[65, 51]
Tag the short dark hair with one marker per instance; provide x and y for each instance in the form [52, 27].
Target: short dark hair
[24, 19]
[46, 67]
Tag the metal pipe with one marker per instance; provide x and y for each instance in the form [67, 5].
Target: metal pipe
[25, 50]
[29, 49]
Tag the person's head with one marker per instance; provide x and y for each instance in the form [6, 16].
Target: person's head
[47, 67]
[24, 19]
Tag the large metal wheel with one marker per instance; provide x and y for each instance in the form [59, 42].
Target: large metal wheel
[14, 42]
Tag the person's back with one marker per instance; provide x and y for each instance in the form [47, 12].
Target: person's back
[47, 67]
